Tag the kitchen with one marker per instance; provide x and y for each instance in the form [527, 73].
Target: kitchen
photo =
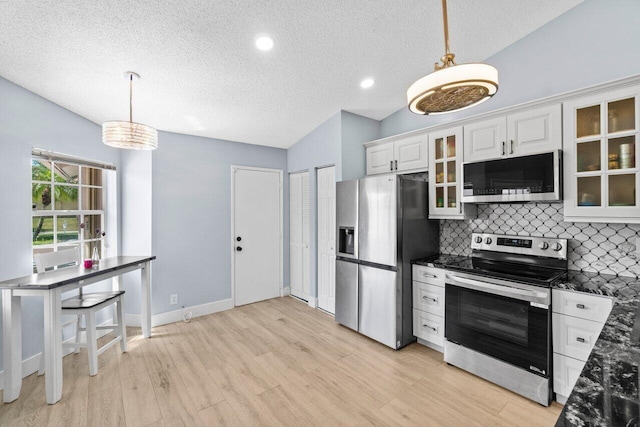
[533, 68]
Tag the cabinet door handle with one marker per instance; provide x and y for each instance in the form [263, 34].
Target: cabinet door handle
[503, 148]
[511, 148]
[396, 164]
[391, 165]
[580, 339]
[580, 306]
[429, 275]
[429, 298]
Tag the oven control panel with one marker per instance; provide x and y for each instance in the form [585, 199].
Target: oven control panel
[527, 245]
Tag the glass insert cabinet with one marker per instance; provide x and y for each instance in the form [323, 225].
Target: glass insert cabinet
[445, 176]
[602, 179]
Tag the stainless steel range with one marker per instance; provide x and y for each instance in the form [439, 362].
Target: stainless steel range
[498, 311]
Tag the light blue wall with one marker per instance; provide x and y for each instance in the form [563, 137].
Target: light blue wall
[27, 121]
[593, 43]
[191, 205]
[319, 148]
[355, 131]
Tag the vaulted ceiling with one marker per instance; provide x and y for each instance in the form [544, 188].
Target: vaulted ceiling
[202, 74]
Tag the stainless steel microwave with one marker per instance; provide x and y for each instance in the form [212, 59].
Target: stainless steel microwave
[533, 178]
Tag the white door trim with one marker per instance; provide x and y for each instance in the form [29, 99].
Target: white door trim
[232, 248]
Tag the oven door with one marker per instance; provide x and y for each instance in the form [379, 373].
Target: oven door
[508, 323]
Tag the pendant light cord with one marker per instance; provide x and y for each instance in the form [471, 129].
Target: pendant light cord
[131, 98]
[446, 26]
[448, 58]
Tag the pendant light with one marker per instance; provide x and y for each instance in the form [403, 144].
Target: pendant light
[452, 87]
[129, 135]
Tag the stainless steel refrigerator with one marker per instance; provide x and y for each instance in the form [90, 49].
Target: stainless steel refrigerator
[382, 224]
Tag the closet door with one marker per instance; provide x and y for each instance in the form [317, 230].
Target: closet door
[327, 239]
[299, 234]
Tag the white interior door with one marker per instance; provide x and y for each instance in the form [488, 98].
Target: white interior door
[327, 239]
[257, 232]
[299, 235]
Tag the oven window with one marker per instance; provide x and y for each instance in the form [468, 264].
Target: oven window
[507, 329]
[499, 318]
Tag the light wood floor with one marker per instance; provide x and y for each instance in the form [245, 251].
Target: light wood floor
[276, 362]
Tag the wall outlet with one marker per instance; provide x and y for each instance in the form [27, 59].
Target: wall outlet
[174, 299]
[446, 232]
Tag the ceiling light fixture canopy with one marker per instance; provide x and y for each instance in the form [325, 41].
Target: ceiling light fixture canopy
[129, 135]
[452, 87]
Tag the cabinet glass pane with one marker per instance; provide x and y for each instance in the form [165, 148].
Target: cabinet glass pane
[451, 196]
[589, 191]
[451, 146]
[451, 171]
[439, 148]
[588, 156]
[91, 226]
[622, 190]
[439, 197]
[622, 153]
[439, 173]
[622, 115]
[588, 121]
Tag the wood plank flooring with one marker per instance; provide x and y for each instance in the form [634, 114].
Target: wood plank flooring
[276, 362]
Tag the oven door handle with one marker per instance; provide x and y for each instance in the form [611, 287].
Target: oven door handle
[540, 298]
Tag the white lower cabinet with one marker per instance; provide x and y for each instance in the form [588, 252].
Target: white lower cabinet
[428, 305]
[578, 319]
[429, 327]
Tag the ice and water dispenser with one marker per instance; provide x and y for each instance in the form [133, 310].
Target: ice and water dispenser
[346, 240]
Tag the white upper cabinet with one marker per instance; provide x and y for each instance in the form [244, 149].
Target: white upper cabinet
[602, 178]
[380, 158]
[404, 154]
[445, 177]
[532, 131]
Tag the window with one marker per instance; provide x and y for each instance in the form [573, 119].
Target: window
[68, 205]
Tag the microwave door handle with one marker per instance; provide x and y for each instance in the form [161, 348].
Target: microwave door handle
[506, 291]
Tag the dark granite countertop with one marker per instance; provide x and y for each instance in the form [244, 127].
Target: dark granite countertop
[607, 391]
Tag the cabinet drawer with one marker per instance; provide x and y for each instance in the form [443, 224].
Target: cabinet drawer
[574, 337]
[429, 327]
[431, 275]
[582, 305]
[429, 298]
[565, 373]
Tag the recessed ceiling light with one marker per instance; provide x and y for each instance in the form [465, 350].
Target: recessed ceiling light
[367, 83]
[264, 43]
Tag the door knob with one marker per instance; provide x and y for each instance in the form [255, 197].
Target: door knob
[239, 248]
[238, 238]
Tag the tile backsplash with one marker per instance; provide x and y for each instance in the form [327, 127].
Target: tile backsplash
[593, 247]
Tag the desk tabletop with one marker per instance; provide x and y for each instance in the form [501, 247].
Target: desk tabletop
[64, 276]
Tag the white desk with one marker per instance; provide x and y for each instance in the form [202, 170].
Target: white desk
[50, 286]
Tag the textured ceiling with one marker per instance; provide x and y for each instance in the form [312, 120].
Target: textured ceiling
[202, 75]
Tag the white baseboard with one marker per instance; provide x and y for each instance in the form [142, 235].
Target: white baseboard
[177, 315]
[31, 364]
[286, 291]
[313, 302]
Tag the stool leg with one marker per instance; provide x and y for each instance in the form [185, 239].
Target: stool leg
[122, 329]
[92, 342]
[78, 324]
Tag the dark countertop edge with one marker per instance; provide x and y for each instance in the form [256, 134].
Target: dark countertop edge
[21, 282]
